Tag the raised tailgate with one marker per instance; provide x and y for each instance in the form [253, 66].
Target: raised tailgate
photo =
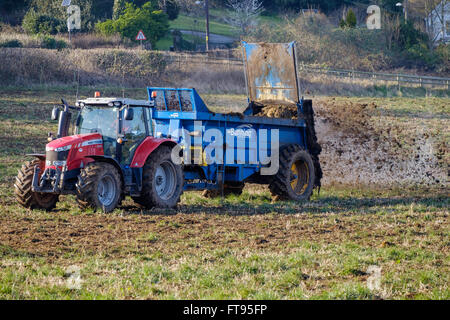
[271, 72]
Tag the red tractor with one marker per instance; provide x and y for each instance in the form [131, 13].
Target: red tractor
[112, 153]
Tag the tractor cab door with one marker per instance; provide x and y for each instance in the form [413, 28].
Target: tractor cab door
[133, 132]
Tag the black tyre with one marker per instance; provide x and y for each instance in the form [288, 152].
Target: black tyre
[162, 182]
[99, 187]
[229, 188]
[24, 194]
[296, 175]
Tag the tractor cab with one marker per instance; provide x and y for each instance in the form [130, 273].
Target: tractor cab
[122, 123]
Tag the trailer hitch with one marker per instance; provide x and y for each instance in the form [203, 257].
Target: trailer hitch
[49, 181]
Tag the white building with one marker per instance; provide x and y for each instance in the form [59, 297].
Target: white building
[438, 22]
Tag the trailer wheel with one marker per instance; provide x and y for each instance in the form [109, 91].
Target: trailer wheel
[24, 194]
[162, 182]
[235, 188]
[99, 187]
[296, 175]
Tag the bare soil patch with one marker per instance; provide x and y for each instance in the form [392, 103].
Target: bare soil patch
[361, 145]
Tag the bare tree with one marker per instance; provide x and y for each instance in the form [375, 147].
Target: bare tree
[189, 6]
[391, 29]
[244, 13]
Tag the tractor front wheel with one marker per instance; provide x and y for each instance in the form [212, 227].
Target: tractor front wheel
[99, 187]
[162, 183]
[296, 175]
[24, 194]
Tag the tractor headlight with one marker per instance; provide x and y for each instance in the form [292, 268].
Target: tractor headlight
[65, 148]
[58, 156]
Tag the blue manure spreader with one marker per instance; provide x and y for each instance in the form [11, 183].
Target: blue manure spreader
[228, 150]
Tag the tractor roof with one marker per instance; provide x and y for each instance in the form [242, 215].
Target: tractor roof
[123, 101]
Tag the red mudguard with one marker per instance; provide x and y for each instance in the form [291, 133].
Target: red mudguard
[146, 148]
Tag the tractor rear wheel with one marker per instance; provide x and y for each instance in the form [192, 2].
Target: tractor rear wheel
[24, 194]
[99, 187]
[162, 182]
[296, 175]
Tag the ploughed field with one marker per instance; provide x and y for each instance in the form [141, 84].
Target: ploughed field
[379, 228]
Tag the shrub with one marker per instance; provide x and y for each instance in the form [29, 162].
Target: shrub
[11, 44]
[106, 28]
[48, 42]
[409, 36]
[420, 55]
[350, 20]
[443, 52]
[179, 43]
[153, 22]
[35, 24]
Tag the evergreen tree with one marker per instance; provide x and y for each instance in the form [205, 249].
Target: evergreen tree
[350, 20]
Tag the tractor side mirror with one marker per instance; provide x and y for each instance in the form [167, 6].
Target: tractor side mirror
[129, 114]
[55, 113]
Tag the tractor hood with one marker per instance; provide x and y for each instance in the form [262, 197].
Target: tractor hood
[78, 140]
[71, 150]
[271, 72]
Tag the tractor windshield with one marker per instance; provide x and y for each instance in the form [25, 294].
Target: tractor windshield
[103, 120]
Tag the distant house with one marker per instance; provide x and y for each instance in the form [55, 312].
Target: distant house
[438, 22]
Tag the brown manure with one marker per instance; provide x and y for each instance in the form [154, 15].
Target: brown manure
[278, 111]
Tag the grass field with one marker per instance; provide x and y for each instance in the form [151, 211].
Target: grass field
[242, 247]
[184, 22]
[217, 25]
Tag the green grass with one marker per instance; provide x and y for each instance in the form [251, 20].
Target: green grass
[189, 256]
[165, 43]
[184, 22]
[217, 25]
[241, 247]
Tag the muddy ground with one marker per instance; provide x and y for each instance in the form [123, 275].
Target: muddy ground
[194, 226]
[363, 143]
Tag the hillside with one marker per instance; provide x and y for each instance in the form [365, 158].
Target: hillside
[398, 45]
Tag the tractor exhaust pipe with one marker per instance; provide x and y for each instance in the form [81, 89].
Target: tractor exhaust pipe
[63, 118]
[64, 123]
